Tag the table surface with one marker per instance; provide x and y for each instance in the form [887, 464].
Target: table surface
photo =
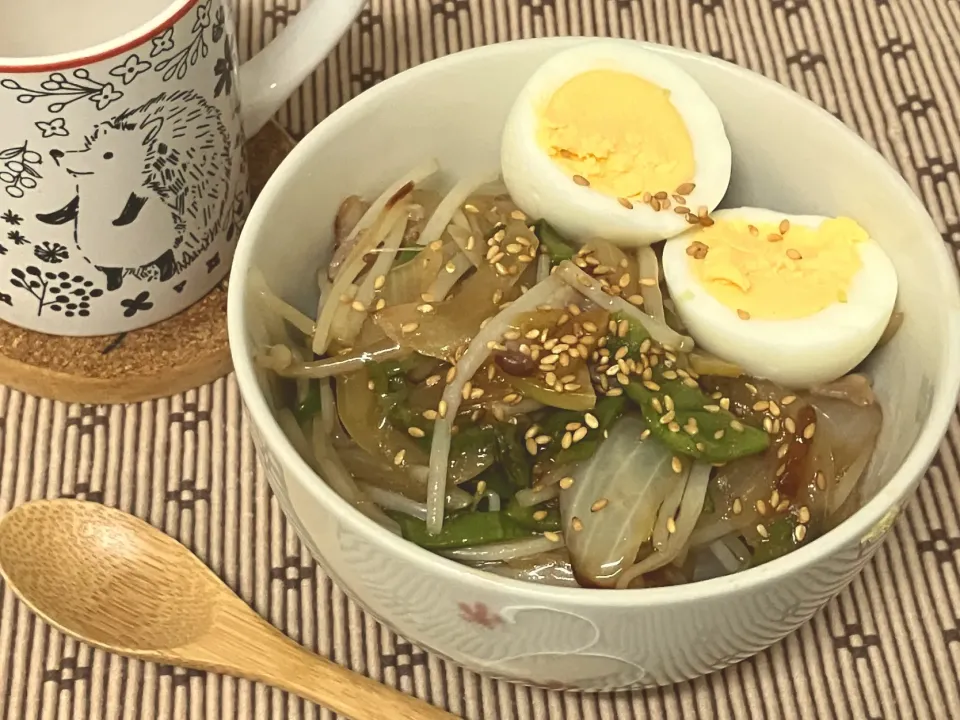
[888, 647]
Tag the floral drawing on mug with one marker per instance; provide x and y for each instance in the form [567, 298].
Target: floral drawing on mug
[170, 156]
[177, 64]
[63, 91]
[59, 292]
[130, 69]
[57, 127]
[19, 172]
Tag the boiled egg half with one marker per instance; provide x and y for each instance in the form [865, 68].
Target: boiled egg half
[797, 299]
[612, 140]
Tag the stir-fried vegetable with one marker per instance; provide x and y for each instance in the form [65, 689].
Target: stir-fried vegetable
[496, 394]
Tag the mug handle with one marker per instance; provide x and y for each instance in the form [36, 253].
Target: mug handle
[273, 74]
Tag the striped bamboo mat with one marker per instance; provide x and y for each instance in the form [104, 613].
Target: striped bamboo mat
[889, 647]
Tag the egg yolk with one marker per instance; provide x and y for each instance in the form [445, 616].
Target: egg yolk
[777, 272]
[619, 132]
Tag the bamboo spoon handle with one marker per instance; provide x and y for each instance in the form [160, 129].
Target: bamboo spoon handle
[250, 647]
[348, 693]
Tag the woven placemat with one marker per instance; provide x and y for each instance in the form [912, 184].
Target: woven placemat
[888, 647]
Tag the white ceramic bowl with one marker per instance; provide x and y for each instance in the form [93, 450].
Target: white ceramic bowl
[789, 155]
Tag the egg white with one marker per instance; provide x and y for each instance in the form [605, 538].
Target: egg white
[541, 188]
[796, 353]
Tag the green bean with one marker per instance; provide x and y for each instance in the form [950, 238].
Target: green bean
[525, 516]
[310, 405]
[553, 242]
[679, 414]
[466, 529]
[512, 456]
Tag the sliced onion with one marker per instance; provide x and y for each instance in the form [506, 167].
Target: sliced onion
[668, 546]
[348, 362]
[649, 267]
[328, 406]
[348, 320]
[352, 267]
[629, 478]
[500, 552]
[461, 236]
[448, 206]
[476, 354]
[552, 568]
[325, 462]
[446, 280]
[588, 286]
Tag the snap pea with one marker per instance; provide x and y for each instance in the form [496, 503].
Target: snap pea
[696, 426]
[606, 411]
[553, 242]
[310, 405]
[463, 530]
[525, 516]
[512, 456]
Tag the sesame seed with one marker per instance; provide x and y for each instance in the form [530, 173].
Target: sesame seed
[774, 409]
[567, 440]
[432, 380]
[379, 282]
[531, 446]
[576, 523]
[718, 435]
[481, 487]
[409, 327]
[794, 254]
[667, 418]
[581, 180]
[809, 430]
[774, 499]
[800, 532]
[652, 386]
[761, 507]
[737, 506]
[762, 531]
[754, 230]
[686, 188]
[803, 515]
[624, 280]
[645, 434]
[381, 304]
[512, 398]
[648, 282]
[790, 425]
[725, 403]
[566, 483]
[782, 450]
[751, 388]
[781, 470]
[768, 425]
[442, 408]
[518, 215]
[476, 394]
[626, 203]
[743, 314]
[676, 464]
[416, 432]
[821, 480]
[622, 327]
[551, 536]
[774, 237]
[655, 204]
[613, 392]
[668, 402]
[450, 267]
[761, 405]
[358, 306]
[580, 434]
[787, 400]
[471, 241]
[398, 458]
[539, 514]
[370, 385]
[543, 439]
[671, 526]
[736, 425]
[430, 414]
[425, 308]
[599, 505]
[712, 408]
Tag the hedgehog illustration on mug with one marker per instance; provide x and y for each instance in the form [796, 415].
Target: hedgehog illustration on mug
[176, 151]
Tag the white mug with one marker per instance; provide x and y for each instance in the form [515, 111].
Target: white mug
[123, 179]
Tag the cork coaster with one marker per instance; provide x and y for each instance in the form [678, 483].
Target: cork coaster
[182, 352]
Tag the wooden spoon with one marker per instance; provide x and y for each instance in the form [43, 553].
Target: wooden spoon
[113, 581]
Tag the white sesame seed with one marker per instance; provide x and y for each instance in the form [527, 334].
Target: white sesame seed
[416, 432]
